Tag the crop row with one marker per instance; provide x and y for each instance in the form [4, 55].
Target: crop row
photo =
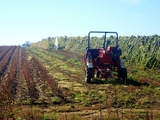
[23, 79]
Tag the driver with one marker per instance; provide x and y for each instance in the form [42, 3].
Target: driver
[116, 52]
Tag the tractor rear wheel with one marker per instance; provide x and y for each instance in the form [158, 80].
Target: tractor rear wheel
[88, 75]
[123, 75]
[98, 73]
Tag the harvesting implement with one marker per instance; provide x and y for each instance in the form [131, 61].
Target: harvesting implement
[104, 61]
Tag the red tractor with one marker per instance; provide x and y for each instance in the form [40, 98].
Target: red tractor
[102, 62]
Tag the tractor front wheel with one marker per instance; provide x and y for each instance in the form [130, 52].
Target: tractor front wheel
[88, 75]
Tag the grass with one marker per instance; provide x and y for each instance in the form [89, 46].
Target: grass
[51, 116]
[74, 61]
[56, 100]
[158, 77]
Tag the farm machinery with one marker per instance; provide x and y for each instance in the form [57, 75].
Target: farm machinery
[104, 61]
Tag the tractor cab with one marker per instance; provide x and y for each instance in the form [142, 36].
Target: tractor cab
[101, 62]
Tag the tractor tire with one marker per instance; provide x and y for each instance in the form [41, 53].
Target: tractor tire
[88, 75]
[98, 74]
[123, 74]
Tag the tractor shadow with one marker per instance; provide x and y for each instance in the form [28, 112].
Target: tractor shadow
[136, 83]
[116, 81]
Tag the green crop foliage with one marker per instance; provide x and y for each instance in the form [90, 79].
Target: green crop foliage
[141, 51]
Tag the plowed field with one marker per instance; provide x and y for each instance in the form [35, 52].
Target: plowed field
[40, 84]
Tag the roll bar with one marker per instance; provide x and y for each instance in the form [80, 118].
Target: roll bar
[105, 32]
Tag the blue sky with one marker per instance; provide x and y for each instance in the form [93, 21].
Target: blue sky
[33, 20]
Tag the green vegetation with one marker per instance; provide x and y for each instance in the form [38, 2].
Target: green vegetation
[141, 51]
